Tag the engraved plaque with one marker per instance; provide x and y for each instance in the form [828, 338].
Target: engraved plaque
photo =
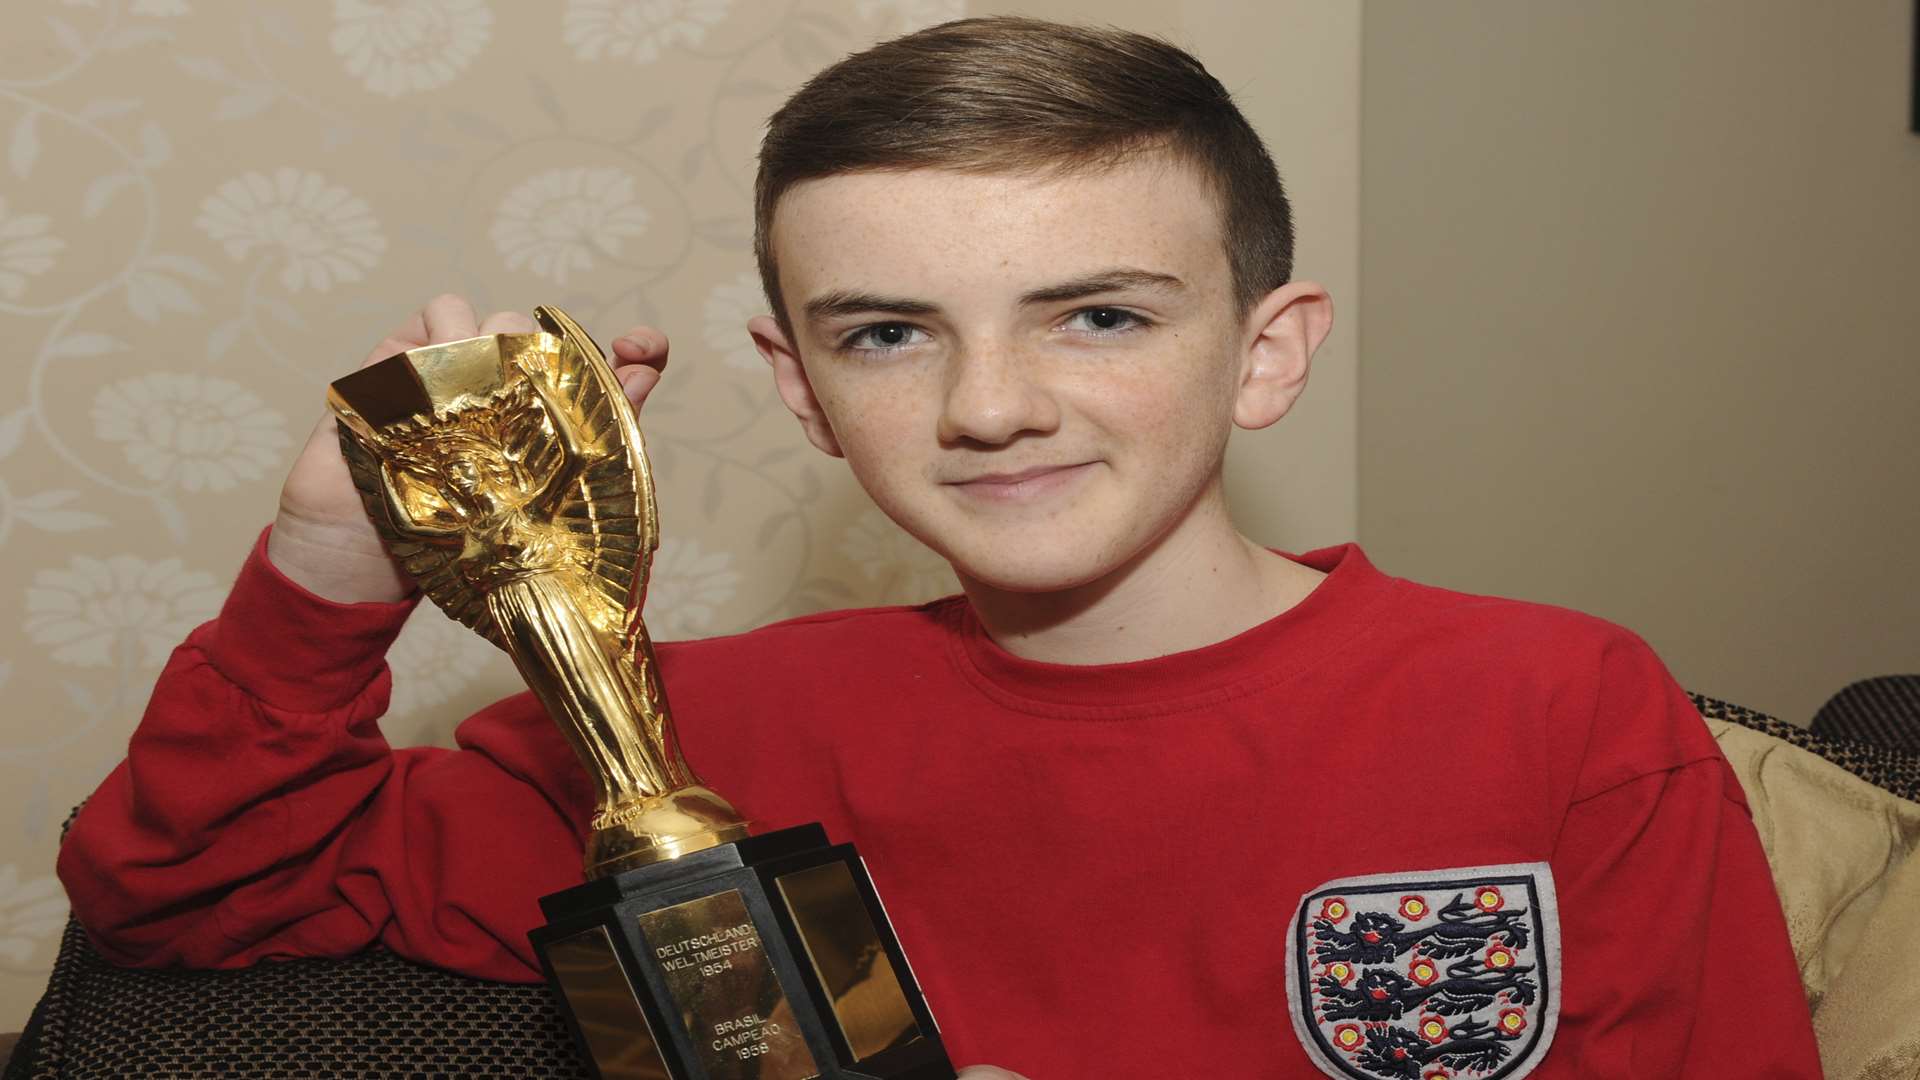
[847, 956]
[603, 1004]
[735, 1011]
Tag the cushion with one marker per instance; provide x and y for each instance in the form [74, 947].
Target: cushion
[1841, 853]
[1832, 841]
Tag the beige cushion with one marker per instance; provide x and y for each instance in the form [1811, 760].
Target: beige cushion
[1841, 852]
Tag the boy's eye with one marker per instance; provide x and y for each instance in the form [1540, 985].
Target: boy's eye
[1110, 320]
[887, 337]
[884, 337]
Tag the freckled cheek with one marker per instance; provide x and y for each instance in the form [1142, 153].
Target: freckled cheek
[1155, 429]
[856, 392]
[880, 437]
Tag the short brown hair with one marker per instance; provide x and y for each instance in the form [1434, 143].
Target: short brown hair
[1014, 94]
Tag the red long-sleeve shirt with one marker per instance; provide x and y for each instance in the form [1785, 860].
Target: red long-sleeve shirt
[1093, 869]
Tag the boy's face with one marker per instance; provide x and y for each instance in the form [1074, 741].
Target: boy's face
[1034, 376]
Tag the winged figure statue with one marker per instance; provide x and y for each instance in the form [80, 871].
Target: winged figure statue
[508, 476]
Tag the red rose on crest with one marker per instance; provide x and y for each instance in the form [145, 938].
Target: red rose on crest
[1423, 971]
[1433, 1029]
[1488, 898]
[1513, 1021]
[1348, 1037]
[1413, 908]
[1499, 958]
[1334, 909]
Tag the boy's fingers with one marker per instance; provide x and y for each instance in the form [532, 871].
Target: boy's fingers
[414, 329]
[508, 322]
[639, 356]
[638, 380]
[641, 345]
[391, 346]
[408, 335]
[449, 318]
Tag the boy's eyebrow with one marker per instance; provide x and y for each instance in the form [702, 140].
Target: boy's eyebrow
[1112, 280]
[841, 302]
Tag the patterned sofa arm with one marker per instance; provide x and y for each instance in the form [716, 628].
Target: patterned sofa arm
[372, 1014]
[1891, 767]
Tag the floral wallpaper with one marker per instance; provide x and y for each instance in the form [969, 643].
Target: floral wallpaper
[210, 209]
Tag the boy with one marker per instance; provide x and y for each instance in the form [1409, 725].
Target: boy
[1145, 785]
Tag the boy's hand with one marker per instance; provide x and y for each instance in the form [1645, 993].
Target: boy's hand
[987, 1072]
[322, 539]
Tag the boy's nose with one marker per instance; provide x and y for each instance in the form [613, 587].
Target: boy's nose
[991, 396]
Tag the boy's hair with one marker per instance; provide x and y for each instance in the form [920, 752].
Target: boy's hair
[1008, 94]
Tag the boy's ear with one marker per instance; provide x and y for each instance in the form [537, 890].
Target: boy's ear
[796, 390]
[1281, 334]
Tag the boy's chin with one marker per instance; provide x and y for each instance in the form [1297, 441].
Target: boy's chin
[1031, 572]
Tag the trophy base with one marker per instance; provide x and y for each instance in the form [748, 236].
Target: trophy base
[768, 958]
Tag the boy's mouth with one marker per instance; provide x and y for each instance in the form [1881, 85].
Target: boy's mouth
[1023, 483]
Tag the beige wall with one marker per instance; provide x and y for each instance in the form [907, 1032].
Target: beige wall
[207, 210]
[1295, 67]
[1643, 316]
[1642, 323]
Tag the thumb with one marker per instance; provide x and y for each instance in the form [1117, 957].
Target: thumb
[987, 1072]
[638, 381]
[639, 356]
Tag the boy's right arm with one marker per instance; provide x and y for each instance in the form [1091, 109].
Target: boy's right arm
[260, 813]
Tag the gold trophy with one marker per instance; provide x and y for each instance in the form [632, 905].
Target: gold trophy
[508, 476]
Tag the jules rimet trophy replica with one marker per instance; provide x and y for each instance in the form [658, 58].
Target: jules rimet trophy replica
[507, 475]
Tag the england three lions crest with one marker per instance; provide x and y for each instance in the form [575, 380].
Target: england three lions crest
[1427, 975]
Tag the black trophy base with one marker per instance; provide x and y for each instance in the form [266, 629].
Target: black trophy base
[765, 959]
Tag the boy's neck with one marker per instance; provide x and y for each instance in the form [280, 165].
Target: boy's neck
[1200, 584]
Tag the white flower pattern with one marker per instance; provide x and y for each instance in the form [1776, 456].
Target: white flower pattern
[26, 249]
[554, 223]
[685, 586]
[325, 233]
[192, 432]
[904, 569]
[396, 48]
[98, 612]
[31, 913]
[729, 306]
[637, 30]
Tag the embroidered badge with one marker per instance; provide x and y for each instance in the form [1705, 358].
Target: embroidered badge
[1428, 975]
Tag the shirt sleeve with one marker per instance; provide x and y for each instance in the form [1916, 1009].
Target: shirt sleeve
[261, 814]
[1675, 960]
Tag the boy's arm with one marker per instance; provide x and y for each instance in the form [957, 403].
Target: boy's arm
[260, 813]
[1675, 956]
